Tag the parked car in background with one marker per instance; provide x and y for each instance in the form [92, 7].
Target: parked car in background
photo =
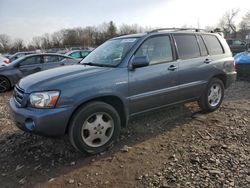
[4, 61]
[236, 45]
[124, 77]
[78, 54]
[11, 73]
[20, 54]
[6, 55]
[242, 61]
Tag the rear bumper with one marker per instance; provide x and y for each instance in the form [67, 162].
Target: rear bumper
[46, 122]
[231, 78]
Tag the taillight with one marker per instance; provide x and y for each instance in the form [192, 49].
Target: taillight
[234, 65]
[6, 61]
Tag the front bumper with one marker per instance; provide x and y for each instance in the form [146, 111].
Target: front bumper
[46, 122]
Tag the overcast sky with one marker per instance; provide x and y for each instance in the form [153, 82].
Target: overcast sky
[27, 18]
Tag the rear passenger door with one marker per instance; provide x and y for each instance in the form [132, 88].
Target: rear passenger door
[157, 84]
[194, 68]
[52, 61]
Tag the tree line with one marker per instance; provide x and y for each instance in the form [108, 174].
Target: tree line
[92, 36]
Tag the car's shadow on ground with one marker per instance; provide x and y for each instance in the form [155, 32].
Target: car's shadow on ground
[28, 159]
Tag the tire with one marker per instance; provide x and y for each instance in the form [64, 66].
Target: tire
[4, 84]
[94, 127]
[213, 96]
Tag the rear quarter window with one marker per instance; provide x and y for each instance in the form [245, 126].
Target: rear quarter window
[187, 46]
[213, 45]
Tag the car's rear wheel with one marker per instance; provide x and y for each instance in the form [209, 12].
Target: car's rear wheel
[94, 127]
[4, 84]
[213, 96]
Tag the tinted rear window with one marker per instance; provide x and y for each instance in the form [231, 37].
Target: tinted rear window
[213, 45]
[187, 46]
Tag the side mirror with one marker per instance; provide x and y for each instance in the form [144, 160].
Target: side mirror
[140, 61]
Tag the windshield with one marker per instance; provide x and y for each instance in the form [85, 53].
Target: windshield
[110, 53]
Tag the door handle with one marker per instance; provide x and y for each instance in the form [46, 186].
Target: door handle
[172, 67]
[207, 61]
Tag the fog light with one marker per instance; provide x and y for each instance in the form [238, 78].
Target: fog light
[30, 124]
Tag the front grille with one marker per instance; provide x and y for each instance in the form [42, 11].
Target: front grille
[19, 96]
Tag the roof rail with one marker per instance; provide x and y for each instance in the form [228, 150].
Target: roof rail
[177, 29]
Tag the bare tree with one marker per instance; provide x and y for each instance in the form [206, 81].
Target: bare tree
[244, 25]
[46, 42]
[37, 42]
[57, 39]
[5, 42]
[130, 29]
[18, 45]
[227, 23]
[246, 20]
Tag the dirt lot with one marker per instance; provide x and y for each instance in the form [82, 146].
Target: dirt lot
[175, 147]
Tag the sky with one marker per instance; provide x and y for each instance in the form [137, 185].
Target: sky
[28, 18]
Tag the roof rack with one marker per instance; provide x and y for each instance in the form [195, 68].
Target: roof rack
[178, 29]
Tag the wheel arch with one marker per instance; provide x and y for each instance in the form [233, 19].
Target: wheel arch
[222, 77]
[112, 100]
[9, 80]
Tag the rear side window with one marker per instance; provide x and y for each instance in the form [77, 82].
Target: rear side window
[50, 59]
[84, 53]
[213, 45]
[187, 46]
[76, 55]
[158, 49]
[202, 46]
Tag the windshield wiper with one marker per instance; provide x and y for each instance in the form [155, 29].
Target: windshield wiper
[98, 65]
[89, 63]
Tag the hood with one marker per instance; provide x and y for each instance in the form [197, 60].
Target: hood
[54, 78]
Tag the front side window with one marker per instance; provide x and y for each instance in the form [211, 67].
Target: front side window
[110, 53]
[31, 60]
[213, 45]
[158, 49]
[187, 46]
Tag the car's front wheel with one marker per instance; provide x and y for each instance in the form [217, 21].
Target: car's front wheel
[213, 96]
[4, 84]
[94, 127]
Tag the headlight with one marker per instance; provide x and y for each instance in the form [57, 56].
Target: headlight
[46, 99]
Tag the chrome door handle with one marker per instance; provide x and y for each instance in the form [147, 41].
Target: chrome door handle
[172, 67]
[207, 61]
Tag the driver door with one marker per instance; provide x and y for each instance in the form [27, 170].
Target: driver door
[30, 65]
[155, 85]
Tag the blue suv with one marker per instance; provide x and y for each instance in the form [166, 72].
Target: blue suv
[122, 78]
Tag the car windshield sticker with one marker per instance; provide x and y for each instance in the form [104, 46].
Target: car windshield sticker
[128, 40]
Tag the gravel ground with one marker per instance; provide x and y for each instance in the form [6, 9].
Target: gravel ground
[174, 147]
